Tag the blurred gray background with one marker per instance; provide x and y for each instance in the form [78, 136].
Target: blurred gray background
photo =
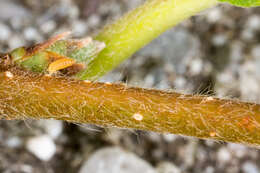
[217, 52]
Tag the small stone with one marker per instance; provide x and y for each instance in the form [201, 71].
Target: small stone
[169, 137]
[10, 9]
[214, 15]
[247, 34]
[210, 143]
[190, 153]
[48, 26]
[14, 142]
[202, 155]
[115, 160]
[4, 32]
[17, 23]
[225, 77]
[110, 7]
[93, 21]
[26, 168]
[43, 147]
[157, 154]
[238, 150]
[79, 28]
[255, 51]
[196, 66]
[183, 47]
[253, 22]
[236, 53]
[227, 83]
[249, 85]
[180, 82]
[149, 80]
[154, 137]
[168, 167]
[114, 135]
[219, 39]
[249, 167]
[223, 155]
[16, 41]
[73, 12]
[52, 127]
[113, 76]
[209, 169]
[32, 34]
[133, 4]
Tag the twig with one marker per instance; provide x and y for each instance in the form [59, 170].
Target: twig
[26, 95]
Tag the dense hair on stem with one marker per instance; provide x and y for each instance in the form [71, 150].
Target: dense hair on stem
[26, 95]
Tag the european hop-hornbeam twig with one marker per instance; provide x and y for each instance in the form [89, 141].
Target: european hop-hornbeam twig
[46, 81]
[26, 95]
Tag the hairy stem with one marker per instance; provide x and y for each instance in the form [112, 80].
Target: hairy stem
[137, 28]
[26, 95]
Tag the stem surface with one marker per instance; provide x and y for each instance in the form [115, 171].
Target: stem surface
[137, 28]
[26, 95]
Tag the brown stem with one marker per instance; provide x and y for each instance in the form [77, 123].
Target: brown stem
[26, 95]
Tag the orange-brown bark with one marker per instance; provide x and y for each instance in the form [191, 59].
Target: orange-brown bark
[26, 95]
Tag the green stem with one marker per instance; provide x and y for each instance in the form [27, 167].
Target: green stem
[137, 28]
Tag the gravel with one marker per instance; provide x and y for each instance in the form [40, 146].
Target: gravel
[249, 167]
[43, 147]
[115, 160]
[216, 52]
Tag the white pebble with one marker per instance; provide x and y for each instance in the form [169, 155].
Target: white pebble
[247, 34]
[155, 137]
[168, 167]
[14, 142]
[236, 53]
[79, 28]
[223, 155]
[43, 147]
[214, 15]
[115, 160]
[16, 41]
[249, 167]
[149, 80]
[4, 32]
[180, 82]
[196, 66]
[238, 150]
[32, 34]
[210, 143]
[201, 155]
[93, 20]
[73, 12]
[48, 26]
[52, 127]
[26, 168]
[249, 86]
[253, 22]
[255, 52]
[209, 169]
[225, 77]
[16, 23]
[169, 137]
[219, 39]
